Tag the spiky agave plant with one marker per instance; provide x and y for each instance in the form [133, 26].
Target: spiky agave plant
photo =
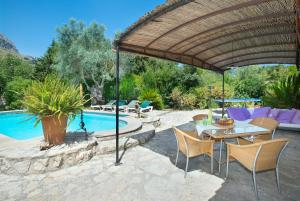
[285, 93]
[53, 97]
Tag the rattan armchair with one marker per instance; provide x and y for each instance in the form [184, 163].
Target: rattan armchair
[196, 118]
[199, 117]
[268, 123]
[192, 147]
[257, 157]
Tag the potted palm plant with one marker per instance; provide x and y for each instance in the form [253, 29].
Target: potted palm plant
[53, 102]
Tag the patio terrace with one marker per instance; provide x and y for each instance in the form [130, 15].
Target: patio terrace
[148, 173]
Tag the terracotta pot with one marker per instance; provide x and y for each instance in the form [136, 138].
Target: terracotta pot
[54, 129]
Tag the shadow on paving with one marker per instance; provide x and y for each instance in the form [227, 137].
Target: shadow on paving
[239, 185]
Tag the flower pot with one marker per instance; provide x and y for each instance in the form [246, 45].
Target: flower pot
[55, 129]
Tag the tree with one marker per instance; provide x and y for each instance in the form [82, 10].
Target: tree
[11, 66]
[45, 65]
[85, 56]
[14, 92]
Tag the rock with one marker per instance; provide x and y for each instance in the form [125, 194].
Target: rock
[55, 162]
[40, 165]
[22, 167]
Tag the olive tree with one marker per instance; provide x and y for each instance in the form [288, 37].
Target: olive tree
[85, 56]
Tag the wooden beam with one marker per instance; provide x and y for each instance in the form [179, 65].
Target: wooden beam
[252, 46]
[163, 55]
[284, 24]
[252, 53]
[257, 58]
[227, 25]
[245, 38]
[212, 14]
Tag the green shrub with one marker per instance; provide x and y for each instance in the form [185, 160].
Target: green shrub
[14, 92]
[284, 94]
[128, 88]
[202, 96]
[183, 101]
[251, 87]
[154, 96]
[53, 97]
[189, 101]
[176, 97]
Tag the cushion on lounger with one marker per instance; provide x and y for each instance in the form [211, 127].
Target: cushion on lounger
[261, 112]
[274, 113]
[285, 116]
[296, 118]
[239, 114]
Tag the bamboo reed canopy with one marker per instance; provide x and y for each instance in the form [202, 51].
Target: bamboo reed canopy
[218, 34]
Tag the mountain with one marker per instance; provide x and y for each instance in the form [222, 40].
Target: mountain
[8, 45]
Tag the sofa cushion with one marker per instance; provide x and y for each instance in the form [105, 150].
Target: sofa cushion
[296, 118]
[274, 113]
[285, 116]
[260, 112]
[239, 114]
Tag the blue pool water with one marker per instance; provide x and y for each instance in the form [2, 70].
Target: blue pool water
[19, 125]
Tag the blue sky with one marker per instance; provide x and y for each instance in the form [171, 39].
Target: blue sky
[32, 24]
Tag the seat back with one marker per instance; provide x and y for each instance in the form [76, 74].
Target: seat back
[122, 102]
[181, 141]
[145, 104]
[111, 102]
[268, 123]
[269, 154]
[132, 103]
[199, 117]
[191, 146]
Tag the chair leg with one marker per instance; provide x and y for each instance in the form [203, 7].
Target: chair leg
[227, 166]
[220, 156]
[277, 179]
[177, 156]
[254, 183]
[212, 164]
[186, 166]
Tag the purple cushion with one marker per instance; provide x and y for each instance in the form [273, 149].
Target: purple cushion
[274, 113]
[239, 114]
[296, 118]
[285, 116]
[260, 112]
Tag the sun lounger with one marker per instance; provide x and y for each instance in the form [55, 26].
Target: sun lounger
[122, 103]
[145, 106]
[129, 107]
[109, 105]
[96, 107]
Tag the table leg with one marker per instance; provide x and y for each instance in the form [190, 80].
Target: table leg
[220, 156]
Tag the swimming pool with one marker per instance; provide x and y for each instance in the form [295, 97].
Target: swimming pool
[19, 125]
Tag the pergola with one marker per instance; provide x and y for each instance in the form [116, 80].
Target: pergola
[215, 35]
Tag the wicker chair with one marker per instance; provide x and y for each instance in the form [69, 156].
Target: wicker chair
[192, 147]
[256, 157]
[196, 118]
[267, 123]
[199, 117]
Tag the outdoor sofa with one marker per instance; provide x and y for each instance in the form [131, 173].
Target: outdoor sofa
[289, 119]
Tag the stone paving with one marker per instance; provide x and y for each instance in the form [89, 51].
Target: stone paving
[148, 173]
